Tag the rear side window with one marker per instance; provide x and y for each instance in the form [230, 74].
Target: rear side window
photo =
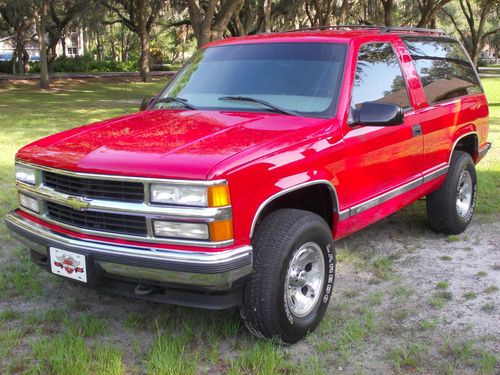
[444, 68]
[379, 77]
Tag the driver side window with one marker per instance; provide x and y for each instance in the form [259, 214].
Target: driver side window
[379, 77]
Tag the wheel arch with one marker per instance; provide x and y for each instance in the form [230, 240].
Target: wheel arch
[325, 205]
[467, 142]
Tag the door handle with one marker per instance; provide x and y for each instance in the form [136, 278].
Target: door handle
[416, 130]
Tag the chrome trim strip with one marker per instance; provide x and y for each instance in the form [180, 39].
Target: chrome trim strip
[385, 197]
[343, 215]
[122, 178]
[204, 214]
[194, 257]
[169, 241]
[457, 140]
[359, 208]
[437, 173]
[295, 187]
[233, 264]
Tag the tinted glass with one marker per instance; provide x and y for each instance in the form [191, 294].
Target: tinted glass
[444, 68]
[379, 77]
[301, 77]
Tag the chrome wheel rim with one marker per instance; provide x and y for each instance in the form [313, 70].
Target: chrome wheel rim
[464, 193]
[304, 279]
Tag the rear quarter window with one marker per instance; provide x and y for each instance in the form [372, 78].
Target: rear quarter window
[443, 67]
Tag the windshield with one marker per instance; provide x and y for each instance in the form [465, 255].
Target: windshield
[301, 78]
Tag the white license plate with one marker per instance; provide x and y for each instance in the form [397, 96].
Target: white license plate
[68, 264]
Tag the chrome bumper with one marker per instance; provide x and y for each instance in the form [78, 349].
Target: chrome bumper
[214, 271]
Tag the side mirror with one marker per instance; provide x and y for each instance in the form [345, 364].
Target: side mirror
[146, 101]
[377, 114]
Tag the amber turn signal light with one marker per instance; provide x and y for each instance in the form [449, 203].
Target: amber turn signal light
[221, 230]
[218, 196]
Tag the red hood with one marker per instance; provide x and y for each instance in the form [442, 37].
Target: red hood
[162, 143]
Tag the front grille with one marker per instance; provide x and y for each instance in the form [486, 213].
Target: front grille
[125, 191]
[98, 221]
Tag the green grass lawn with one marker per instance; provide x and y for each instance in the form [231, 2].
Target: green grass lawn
[77, 331]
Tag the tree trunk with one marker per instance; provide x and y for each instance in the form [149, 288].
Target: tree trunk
[51, 56]
[41, 26]
[26, 61]
[387, 5]
[19, 57]
[63, 45]
[144, 37]
[267, 15]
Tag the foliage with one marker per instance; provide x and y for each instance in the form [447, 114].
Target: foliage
[81, 64]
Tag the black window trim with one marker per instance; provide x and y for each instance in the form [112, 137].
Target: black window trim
[449, 39]
[405, 109]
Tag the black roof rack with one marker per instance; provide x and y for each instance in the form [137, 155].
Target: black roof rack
[337, 27]
[382, 29]
[420, 30]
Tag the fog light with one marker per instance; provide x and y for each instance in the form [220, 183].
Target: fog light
[180, 230]
[28, 202]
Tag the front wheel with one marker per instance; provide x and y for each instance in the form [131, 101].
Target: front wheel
[450, 208]
[294, 269]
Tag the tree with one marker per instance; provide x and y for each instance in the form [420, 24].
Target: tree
[210, 19]
[41, 10]
[388, 6]
[18, 20]
[321, 12]
[140, 17]
[62, 12]
[428, 10]
[477, 16]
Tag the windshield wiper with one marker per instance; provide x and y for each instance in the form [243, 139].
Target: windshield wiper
[260, 101]
[170, 99]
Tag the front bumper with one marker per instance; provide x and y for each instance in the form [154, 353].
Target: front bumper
[195, 272]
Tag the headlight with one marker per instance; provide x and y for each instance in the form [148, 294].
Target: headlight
[182, 195]
[28, 202]
[199, 196]
[25, 174]
[180, 230]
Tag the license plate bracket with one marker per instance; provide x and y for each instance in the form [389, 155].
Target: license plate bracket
[68, 264]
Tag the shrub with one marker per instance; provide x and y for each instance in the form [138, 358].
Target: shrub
[86, 64]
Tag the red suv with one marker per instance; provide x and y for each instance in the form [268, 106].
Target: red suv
[230, 188]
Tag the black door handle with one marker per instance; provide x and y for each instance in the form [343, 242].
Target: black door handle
[416, 130]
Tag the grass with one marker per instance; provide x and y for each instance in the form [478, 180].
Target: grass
[470, 295]
[64, 353]
[491, 289]
[63, 329]
[442, 285]
[439, 299]
[408, 358]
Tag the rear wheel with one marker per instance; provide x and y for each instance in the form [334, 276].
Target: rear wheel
[450, 208]
[294, 269]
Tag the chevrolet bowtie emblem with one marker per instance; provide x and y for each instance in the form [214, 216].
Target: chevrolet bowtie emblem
[77, 204]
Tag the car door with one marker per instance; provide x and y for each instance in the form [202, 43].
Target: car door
[451, 88]
[380, 159]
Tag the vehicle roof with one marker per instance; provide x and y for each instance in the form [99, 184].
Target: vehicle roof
[341, 34]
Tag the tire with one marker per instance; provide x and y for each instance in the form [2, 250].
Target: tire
[271, 309]
[451, 207]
